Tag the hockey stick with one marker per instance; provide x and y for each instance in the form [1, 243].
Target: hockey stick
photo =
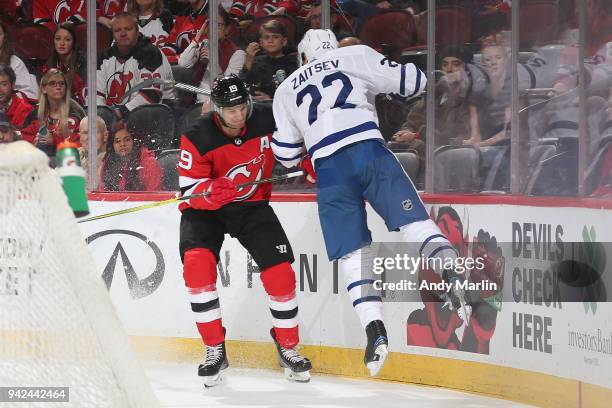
[165, 83]
[178, 199]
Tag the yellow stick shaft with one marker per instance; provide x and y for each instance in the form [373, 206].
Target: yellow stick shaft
[177, 199]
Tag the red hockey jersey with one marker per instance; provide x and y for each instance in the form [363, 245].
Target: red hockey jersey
[186, 26]
[19, 110]
[53, 12]
[208, 153]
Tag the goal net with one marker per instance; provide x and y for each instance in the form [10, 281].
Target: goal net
[58, 327]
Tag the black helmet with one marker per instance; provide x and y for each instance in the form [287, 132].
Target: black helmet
[229, 91]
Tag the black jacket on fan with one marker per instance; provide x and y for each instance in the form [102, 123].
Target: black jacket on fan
[263, 73]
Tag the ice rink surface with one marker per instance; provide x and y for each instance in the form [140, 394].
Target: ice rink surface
[177, 385]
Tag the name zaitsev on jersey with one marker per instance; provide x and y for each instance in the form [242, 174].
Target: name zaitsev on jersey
[334, 99]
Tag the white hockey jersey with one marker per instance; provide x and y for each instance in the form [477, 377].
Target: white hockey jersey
[25, 82]
[329, 103]
[117, 74]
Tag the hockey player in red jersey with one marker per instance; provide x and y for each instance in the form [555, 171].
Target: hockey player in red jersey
[225, 147]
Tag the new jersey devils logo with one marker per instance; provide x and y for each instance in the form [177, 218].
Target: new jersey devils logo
[245, 173]
[62, 12]
[117, 84]
[184, 38]
[112, 7]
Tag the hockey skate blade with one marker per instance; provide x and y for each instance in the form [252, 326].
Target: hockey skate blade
[212, 380]
[375, 366]
[302, 377]
[465, 313]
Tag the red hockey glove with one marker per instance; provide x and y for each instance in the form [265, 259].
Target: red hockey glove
[306, 165]
[220, 191]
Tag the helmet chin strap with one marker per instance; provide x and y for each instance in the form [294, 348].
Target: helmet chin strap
[224, 123]
[227, 125]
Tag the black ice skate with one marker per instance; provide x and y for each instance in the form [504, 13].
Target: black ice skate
[214, 362]
[377, 348]
[297, 368]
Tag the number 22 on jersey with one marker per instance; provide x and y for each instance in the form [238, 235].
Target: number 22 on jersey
[316, 97]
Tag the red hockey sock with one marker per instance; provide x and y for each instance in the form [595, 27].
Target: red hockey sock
[211, 332]
[279, 282]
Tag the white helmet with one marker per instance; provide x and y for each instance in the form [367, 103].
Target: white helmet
[315, 43]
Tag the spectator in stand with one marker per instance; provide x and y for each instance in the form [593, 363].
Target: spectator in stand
[491, 17]
[15, 10]
[253, 9]
[231, 57]
[348, 41]
[186, 26]
[101, 141]
[129, 61]
[561, 117]
[266, 71]
[68, 58]
[128, 166]
[154, 21]
[490, 112]
[313, 20]
[58, 114]
[8, 9]
[13, 104]
[54, 12]
[109, 9]
[177, 6]
[7, 132]
[452, 107]
[598, 51]
[24, 81]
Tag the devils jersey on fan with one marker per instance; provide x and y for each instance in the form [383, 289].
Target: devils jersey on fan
[117, 74]
[207, 153]
[53, 12]
[156, 27]
[186, 26]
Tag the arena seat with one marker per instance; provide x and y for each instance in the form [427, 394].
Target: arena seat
[154, 125]
[168, 160]
[187, 119]
[456, 169]
[32, 42]
[107, 115]
[185, 76]
[410, 162]
[539, 22]
[390, 32]
[453, 26]
[539, 169]
[594, 176]
[554, 172]
[104, 36]
[495, 168]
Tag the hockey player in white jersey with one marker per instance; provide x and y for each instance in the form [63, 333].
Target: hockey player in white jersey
[324, 112]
